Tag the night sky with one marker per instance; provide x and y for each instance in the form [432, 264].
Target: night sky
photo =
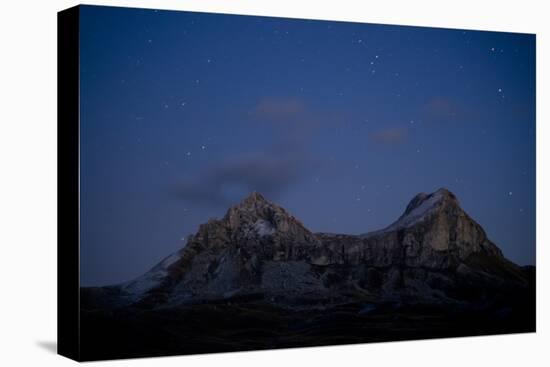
[183, 114]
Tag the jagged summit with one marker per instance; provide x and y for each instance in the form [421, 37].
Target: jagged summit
[435, 197]
[252, 200]
[254, 205]
[256, 215]
[424, 206]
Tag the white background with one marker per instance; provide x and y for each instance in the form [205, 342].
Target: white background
[28, 183]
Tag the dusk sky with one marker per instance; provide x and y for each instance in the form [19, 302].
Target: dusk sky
[183, 114]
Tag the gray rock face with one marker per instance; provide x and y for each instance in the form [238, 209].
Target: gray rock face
[433, 252]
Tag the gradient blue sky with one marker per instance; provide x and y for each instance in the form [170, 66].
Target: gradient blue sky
[183, 114]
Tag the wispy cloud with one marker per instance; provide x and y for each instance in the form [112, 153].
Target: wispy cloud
[279, 110]
[442, 109]
[224, 183]
[390, 136]
[271, 171]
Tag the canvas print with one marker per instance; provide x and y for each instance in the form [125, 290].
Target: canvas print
[257, 183]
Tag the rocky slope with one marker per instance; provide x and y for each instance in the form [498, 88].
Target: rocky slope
[434, 253]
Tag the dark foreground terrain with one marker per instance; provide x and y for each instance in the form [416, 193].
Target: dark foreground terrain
[252, 325]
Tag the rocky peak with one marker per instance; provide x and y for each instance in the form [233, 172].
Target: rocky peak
[424, 206]
[253, 200]
[250, 210]
[257, 217]
[434, 201]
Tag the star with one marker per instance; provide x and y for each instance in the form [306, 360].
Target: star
[510, 193]
[500, 90]
[203, 147]
[492, 49]
[208, 61]
[183, 104]
[376, 56]
[188, 154]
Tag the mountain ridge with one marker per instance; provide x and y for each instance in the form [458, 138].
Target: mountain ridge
[430, 253]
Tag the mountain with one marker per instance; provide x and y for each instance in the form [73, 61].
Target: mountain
[434, 252]
[433, 261]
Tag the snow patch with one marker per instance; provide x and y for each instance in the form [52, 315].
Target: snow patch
[419, 213]
[154, 277]
[170, 260]
[263, 228]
